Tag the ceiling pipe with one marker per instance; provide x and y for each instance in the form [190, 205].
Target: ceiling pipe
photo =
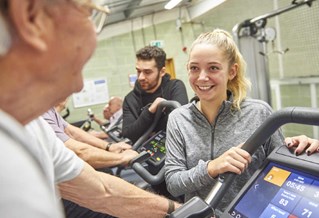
[171, 4]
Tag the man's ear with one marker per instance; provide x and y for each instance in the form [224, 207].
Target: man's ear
[27, 18]
[163, 71]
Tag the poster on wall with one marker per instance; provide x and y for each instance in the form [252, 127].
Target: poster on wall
[94, 92]
[132, 79]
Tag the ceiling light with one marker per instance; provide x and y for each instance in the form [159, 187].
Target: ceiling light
[171, 4]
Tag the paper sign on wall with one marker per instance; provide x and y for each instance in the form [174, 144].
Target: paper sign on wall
[93, 92]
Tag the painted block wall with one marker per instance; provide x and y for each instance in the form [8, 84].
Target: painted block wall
[114, 58]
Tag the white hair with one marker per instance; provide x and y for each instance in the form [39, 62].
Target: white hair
[5, 37]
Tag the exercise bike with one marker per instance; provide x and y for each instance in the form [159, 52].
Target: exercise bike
[87, 124]
[148, 165]
[286, 185]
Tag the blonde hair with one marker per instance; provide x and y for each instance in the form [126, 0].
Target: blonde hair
[239, 85]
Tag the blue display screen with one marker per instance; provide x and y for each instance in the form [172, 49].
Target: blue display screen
[279, 192]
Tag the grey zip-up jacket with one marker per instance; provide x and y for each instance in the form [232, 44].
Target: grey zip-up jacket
[192, 142]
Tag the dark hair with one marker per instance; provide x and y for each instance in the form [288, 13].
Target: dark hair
[150, 52]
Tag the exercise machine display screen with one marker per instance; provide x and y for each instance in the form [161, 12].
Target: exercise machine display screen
[115, 134]
[279, 192]
[156, 147]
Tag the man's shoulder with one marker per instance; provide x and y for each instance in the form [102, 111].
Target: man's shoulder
[175, 82]
[17, 159]
[177, 85]
[130, 95]
[131, 99]
[40, 129]
[11, 127]
[49, 114]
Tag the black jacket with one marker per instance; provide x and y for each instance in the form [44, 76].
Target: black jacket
[136, 116]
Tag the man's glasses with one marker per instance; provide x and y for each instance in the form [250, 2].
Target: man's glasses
[99, 13]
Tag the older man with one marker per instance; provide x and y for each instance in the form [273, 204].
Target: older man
[113, 114]
[44, 46]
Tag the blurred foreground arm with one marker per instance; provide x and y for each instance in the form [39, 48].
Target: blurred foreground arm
[111, 195]
[99, 158]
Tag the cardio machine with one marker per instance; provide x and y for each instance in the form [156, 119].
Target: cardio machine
[285, 186]
[114, 133]
[149, 164]
[152, 150]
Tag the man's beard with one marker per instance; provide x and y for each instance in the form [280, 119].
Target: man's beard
[152, 87]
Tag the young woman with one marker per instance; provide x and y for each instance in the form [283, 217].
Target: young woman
[203, 136]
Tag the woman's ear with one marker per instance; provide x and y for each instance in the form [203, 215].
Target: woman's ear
[28, 19]
[233, 71]
[187, 68]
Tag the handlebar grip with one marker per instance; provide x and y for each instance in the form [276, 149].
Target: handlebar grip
[147, 176]
[142, 157]
[163, 104]
[301, 115]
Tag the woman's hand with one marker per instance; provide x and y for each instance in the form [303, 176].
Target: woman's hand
[302, 143]
[234, 160]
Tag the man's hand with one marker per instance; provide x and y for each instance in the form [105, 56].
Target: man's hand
[154, 105]
[119, 147]
[302, 143]
[128, 155]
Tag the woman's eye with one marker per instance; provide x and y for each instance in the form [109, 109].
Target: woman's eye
[214, 68]
[193, 69]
